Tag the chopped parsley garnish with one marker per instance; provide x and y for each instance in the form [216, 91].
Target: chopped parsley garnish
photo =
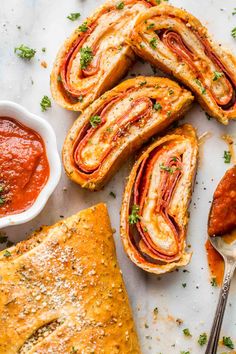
[7, 254]
[74, 16]
[155, 311]
[183, 352]
[80, 98]
[186, 332]
[120, 6]
[25, 52]
[198, 82]
[142, 83]
[213, 282]
[166, 168]
[84, 27]
[95, 121]
[153, 42]
[233, 32]
[45, 103]
[159, 2]
[227, 156]
[86, 56]
[202, 340]
[112, 194]
[234, 11]
[217, 75]
[157, 106]
[2, 201]
[184, 285]
[150, 26]
[43, 49]
[227, 341]
[171, 92]
[134, 217]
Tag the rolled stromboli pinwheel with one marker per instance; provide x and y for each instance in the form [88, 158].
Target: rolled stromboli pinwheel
[117, 124]
[176, 42]
[154, 213]
[96, 55]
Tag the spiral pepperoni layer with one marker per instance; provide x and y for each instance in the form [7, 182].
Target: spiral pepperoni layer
[117, 124]
[96, 55]
[154, 210]
[176, 42]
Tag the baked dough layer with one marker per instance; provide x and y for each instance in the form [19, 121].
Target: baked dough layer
[177, 43]
[96, 55]
[117, 124]
[64, 284]
[154, 212]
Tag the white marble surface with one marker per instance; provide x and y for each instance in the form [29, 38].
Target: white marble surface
[43, 23]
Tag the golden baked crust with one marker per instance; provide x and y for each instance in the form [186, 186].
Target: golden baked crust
[127, 116]
[62, 292]
[154, 213]
[177, 43]
[74, 85]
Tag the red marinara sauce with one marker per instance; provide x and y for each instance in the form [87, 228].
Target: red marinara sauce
[24, 167]
[222, 220]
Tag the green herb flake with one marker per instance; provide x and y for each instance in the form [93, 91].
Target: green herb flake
[227, 341]
[157, 106]
[217, 75]
[134, 216]
[227, 157]
[95, 121]
[213, 282]
[120, 6]
[2, 201]
[7, 254]
[183, 352]
[86, 56]
[156, 311]
[24, 52]
[234, 11]
[202, 340]
[166, 168]
[112, 194]
[74, 16]
[153, 42]
[186, 332]
[143, 83]
[233, 32]
[73, 350]
[80, 98]
[43, 49]
[198, 82]
[184, 285]
[45, 103]
[150, 26]
[83, 27]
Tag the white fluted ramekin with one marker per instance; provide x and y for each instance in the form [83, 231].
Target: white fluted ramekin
[43, 128]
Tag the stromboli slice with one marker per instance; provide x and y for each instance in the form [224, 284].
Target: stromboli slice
[96, 55]
[154, 212]
[117, 124]
[176, 42]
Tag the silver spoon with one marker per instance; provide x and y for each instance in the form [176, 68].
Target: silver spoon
[228, 252]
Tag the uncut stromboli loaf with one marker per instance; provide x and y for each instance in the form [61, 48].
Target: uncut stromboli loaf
[61, 291]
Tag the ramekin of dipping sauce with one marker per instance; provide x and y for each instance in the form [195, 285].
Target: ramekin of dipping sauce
[30, 166]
